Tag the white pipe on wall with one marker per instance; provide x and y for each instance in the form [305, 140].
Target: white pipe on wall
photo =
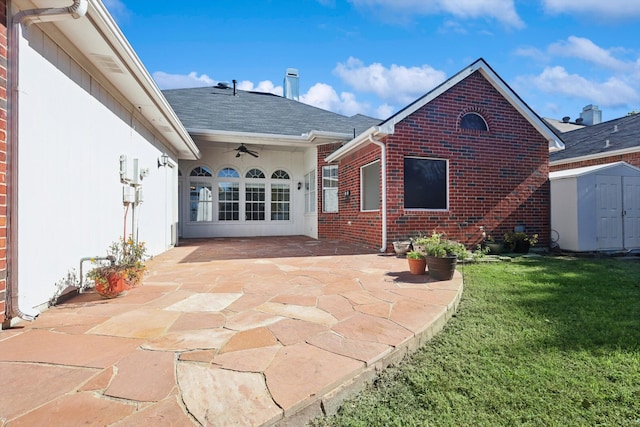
[77, 10]
[383, 171]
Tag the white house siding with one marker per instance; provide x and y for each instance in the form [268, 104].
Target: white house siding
[311, 218]
[72, 133]
[217, 157]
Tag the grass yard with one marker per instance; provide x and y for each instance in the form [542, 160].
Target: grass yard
[536, 342]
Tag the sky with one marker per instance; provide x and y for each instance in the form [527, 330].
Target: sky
[374, 57]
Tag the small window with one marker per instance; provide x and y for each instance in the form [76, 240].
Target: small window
[330, 188]
[280, 174]
[425, 183]
[201, 171]
[228, 173]
[473, 121]
[255, 173]
[370, 186]
[310, 192]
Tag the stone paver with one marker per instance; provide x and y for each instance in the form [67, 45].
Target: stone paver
[251, 332]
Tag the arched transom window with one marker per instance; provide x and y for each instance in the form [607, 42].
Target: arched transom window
[473, 121]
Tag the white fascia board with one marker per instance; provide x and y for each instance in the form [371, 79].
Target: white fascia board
[305, 140]
[595, 156]
[363, 139]
[573, 173]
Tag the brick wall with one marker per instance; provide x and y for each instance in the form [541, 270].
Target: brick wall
[3, 156]
[631, 158]
[497, 179]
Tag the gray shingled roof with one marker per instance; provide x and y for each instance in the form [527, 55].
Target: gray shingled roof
[622, 133]
[217, 109]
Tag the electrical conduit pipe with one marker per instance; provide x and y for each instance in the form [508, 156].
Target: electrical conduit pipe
[77, 10]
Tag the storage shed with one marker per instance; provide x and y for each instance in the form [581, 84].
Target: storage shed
[596, 208]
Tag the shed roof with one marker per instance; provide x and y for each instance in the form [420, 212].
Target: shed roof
[576, 172]
[591, 141]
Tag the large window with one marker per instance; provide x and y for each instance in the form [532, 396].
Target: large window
[280, 197]
[310, 192]
[200, 195]
[426, 183]
[228, 195]
[242, 196]
[255, 193]
[330, 188]
[370, 186]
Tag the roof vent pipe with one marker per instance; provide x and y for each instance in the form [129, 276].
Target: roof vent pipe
[77, 10]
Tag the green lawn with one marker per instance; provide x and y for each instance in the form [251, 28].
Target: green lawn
[537, 342]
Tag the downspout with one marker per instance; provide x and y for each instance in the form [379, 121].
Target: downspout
[383, 171]
[77, 10]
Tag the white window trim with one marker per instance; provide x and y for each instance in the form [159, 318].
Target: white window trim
[448, 186]
[362, 209]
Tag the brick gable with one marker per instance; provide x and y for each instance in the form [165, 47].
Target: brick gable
[497, 179]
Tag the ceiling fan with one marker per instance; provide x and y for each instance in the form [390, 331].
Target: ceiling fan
[242, 149]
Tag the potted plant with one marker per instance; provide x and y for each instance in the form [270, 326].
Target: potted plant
[519, 241]
[124, 271]
[494, 247]
[401, 247]
[417, 262]
[419, 243]
[442, 256]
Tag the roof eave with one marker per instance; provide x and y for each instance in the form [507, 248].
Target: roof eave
[97, 35]
[312, 138]
[359, 141]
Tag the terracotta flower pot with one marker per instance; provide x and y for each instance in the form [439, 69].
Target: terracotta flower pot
[115, 284]
[417, 266]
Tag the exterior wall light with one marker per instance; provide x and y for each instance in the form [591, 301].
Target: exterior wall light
[163, 160]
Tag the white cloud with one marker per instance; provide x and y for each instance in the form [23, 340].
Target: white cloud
[323, 96]
[617, 9]
[585, 49]
[613, 92]
[398, 83]
[503, 11]
[384, 111]
[533, 53]
[266, 86]
[178, 81]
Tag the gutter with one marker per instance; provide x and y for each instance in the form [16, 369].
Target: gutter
[24, 17]
[365, 138]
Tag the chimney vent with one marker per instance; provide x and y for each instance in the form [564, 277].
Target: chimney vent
[579, 120]
[591, 115]
[292, 84]
[566, 119]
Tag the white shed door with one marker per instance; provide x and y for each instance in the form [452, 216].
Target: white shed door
[609, 212]
[631, 206]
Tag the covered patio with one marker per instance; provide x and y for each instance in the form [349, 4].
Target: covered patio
[243, 331]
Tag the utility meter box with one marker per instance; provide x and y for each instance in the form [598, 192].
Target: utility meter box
[128, 194]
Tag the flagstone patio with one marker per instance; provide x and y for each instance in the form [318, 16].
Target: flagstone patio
[247, 332]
